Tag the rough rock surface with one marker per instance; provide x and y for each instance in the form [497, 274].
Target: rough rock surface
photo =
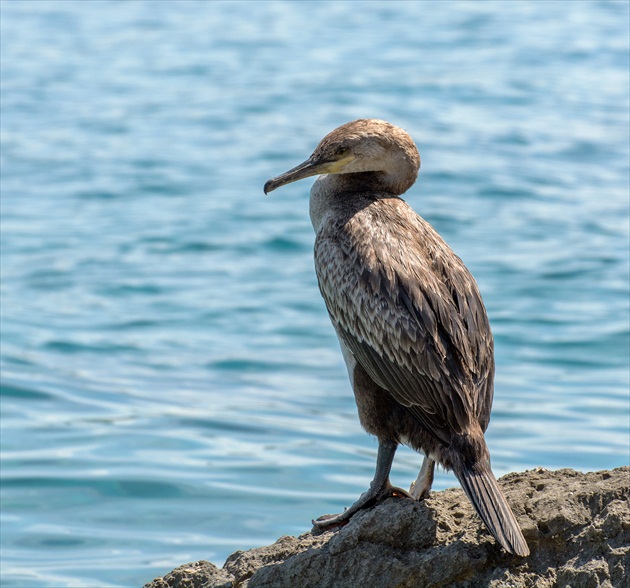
[577, 526]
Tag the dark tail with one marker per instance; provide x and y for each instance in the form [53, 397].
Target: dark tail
[482, 489]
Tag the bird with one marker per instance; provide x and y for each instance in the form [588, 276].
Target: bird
[411, 323]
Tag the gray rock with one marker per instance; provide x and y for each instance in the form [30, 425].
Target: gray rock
[577, 526]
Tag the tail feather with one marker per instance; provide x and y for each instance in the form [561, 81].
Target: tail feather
[485, 495]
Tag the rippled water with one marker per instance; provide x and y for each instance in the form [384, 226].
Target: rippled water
[172, 389]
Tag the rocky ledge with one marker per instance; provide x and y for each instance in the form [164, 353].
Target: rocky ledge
[577, 526]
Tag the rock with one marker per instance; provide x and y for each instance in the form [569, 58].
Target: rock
[577, 527]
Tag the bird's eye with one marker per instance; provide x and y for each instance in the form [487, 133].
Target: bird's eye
[341, 150]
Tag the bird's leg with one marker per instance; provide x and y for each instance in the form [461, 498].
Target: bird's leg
[380, 487]
[421, 488]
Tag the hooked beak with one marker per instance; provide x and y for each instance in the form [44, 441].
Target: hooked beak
[311, 167]
[308, 168]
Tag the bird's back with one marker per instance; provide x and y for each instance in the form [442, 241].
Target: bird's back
[408, 309]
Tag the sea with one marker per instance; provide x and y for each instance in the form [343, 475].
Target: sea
[172, 389]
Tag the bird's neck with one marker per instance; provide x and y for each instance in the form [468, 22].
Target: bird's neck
[338, 195]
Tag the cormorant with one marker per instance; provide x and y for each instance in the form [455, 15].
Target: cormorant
[410, 320]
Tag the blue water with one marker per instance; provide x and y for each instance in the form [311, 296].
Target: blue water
[172, 388]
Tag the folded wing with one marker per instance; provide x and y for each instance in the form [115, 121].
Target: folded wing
[410, 312]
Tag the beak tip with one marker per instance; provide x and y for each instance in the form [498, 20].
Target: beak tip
[305, 170]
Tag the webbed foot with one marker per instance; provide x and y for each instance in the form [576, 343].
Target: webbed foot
[371, 497]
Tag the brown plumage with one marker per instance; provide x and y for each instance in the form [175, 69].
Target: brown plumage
[409, 317]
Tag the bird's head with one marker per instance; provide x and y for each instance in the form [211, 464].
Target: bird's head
[364, 145]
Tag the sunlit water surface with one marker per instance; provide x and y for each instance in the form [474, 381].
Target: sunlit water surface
[172, 388]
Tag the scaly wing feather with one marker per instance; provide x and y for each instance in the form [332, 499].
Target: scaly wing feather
[410, 312]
